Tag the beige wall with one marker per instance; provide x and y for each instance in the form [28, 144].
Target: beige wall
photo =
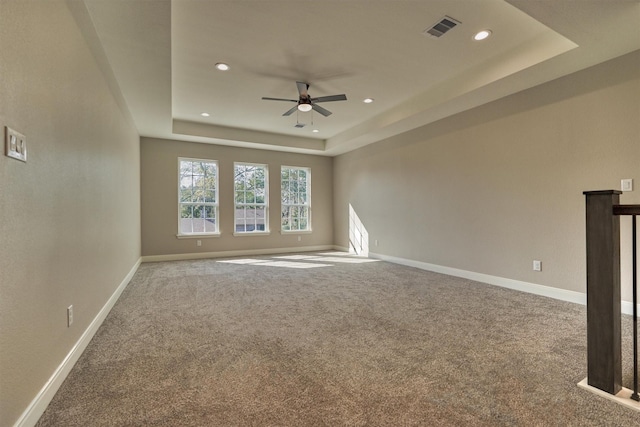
[494, 188]
[69, 217]
[487, 191]
[159, 187]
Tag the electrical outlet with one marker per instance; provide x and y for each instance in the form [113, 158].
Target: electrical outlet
[537, 265]
[626, 185]
[15, 144]
[198, 242]
[69, 315]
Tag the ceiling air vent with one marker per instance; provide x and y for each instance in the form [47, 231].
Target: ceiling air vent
[441, 27]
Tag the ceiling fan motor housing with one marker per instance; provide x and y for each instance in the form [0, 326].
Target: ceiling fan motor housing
[306, 103]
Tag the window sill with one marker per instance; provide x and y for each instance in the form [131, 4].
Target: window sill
[197, 236]
[251, 233]
[296, 231]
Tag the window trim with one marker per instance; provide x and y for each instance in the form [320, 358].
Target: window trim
[309, 228]
[266, 230]
[216, 204]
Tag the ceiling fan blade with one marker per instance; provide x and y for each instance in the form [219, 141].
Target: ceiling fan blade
[321, 110]
[290, 112]
[279, 99]
[330, 98]
[302, 89]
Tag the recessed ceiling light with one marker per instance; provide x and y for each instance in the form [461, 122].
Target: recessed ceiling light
[367, 100]
[205, 114]
[222, 66]
[315, 131]
[481, 35]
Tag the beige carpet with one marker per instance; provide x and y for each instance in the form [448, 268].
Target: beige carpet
[327, 340]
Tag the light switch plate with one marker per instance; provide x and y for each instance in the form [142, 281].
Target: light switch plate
[626, 185]
[15, 144]
[537, 265]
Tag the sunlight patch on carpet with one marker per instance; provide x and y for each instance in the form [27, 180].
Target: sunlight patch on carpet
[244, 261]
[327, 259]
[267, 263]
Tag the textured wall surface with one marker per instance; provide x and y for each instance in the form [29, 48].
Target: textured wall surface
[491, 189]
[70, 216]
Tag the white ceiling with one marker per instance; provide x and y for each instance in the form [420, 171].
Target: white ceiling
[159, 55]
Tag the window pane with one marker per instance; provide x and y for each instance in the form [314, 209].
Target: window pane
[185, 211]
[240, 224]
[240, 197]
[295, 198]
[260, 193]
[285, 220]
[185, 219]
[186, 168]
[210, 225]
[197, 184]
[240, 213]
[185, 194]
[198, 225]
[251, 197]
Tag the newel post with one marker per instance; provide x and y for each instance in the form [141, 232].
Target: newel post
[604, 361]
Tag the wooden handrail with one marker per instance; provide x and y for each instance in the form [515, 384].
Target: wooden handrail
[626, 209]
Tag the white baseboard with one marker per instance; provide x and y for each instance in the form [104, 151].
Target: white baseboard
[627, 307]
[532, 288]
[34, 411]
[225, 254]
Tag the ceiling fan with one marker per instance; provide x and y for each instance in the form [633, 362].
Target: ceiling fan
[306, 103]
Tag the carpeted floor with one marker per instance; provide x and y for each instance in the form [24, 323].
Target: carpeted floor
[282, 341]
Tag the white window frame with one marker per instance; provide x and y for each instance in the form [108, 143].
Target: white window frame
[243, 205]
[215, 204]
[287, 202]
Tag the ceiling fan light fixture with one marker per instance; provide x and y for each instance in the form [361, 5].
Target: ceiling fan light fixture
[305, 107]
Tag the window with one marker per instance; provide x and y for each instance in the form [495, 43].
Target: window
[296, 198]
[198, 197]
[252, 199]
